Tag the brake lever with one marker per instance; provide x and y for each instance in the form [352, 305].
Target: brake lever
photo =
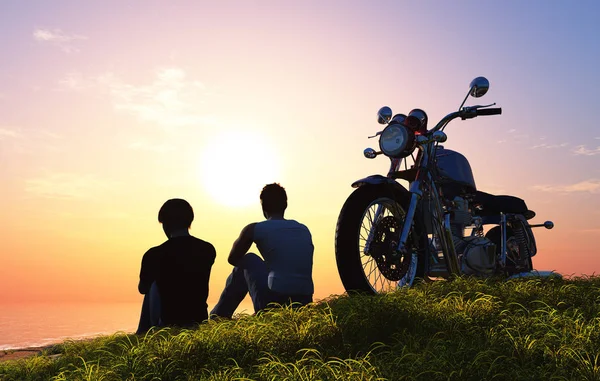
[376, 135]
[469, 108]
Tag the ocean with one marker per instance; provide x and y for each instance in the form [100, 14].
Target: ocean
[25, 325]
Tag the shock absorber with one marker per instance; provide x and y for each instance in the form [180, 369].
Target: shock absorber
[520, 237]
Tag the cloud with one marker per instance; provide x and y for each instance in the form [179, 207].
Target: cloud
[512, 130]
[76, 81]
[105, 214]
[55, 35]
[549, 146]
[67, 186]
[30, 141]
[170, 100]
[586, 186]
[590, 231]
[156, 148]
[49, 134]
[58, 38]
[30, 134]
[7, 132]
[581, 150]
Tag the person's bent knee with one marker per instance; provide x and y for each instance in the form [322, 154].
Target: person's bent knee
[252, 257]
[250, 260]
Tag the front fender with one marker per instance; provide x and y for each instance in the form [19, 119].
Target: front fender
[374, 180]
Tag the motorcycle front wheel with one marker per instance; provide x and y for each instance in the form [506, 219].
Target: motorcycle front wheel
[367, 235]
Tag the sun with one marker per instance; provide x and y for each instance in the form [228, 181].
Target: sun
[235, 166]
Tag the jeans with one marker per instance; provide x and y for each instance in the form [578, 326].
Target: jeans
[251, 276]
[150, 316]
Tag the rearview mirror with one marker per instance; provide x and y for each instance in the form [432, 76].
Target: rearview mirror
[479, 86]
[384, 115]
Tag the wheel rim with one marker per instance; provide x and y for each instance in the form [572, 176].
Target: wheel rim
[383, 270]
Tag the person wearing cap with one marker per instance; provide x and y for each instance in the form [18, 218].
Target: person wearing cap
[174, 275]
[284, 273]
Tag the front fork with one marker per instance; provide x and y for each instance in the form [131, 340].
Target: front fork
[394, 165]
[410, 214]
[446, 236]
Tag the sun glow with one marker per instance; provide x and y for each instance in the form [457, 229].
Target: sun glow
[236, 165]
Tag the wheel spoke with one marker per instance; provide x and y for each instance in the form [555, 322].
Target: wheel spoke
[384, 281]
[371, 267]
[377, 277]
[362, 226]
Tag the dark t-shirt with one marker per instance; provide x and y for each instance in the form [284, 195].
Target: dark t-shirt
[181, 268]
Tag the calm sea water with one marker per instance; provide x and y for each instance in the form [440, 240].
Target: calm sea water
[29, 325]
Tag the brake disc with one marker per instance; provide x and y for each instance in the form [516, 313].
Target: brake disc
[383, 249]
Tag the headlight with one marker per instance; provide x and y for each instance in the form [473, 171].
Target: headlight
[396, 141]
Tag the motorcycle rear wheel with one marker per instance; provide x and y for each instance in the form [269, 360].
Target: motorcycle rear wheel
[364, 247]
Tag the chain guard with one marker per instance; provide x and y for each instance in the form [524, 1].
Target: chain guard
[383, 249]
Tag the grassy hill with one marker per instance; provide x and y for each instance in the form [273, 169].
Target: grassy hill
[467, 329]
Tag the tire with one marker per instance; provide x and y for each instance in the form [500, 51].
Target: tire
[378, 270]
[513, 266]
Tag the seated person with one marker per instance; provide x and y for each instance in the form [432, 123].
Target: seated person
[285, 274]
[174, 276]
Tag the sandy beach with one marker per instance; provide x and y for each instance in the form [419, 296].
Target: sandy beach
[17, 354]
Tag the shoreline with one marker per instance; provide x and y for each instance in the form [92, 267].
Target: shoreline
[21, 353]
[51, 341]
[26, 352]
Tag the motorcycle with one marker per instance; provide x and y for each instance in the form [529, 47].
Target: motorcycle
[388, 236]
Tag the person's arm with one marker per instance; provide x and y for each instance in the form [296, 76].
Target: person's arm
[146, 274]
[241, 245]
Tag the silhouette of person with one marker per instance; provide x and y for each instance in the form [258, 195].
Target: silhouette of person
[174, 276]
[285, 274]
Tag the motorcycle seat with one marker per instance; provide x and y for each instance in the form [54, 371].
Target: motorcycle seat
[493, 205]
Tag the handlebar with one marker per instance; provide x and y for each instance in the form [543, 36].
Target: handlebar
[466, 113]
[489, 111]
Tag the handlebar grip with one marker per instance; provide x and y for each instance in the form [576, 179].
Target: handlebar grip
[489, 111]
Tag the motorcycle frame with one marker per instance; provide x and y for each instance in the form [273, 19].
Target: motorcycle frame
[425, 182]
[427, 144]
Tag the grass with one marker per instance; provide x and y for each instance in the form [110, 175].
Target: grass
[467, 329]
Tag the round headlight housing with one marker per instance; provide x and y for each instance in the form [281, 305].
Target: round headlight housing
[397, 141]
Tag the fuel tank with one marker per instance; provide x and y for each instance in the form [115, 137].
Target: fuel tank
[454, 169]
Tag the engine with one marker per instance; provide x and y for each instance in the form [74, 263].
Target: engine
[477, 254]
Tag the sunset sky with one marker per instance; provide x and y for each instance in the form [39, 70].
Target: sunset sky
[109, 108]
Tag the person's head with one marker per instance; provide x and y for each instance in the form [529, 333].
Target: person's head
[273, 200]
[175, 214]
